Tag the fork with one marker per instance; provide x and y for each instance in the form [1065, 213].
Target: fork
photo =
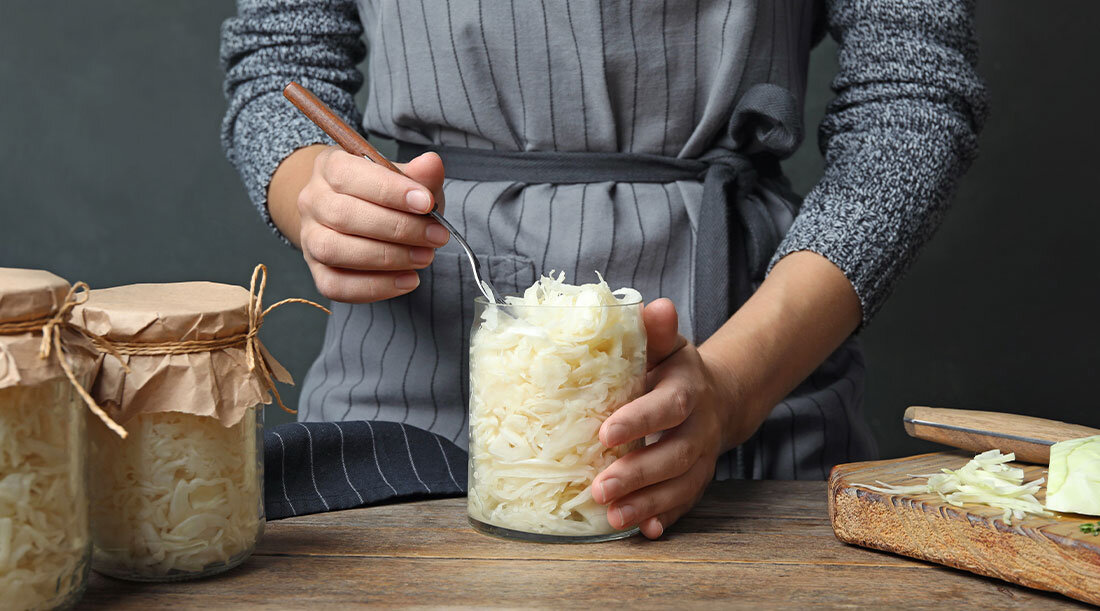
[354, 143]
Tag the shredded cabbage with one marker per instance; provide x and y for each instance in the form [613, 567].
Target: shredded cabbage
[44, 541]
[1074, 484]
[181, 494]
[985, 480]
[544, 375]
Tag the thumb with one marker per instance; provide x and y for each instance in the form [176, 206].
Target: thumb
[427, 169]
[662, 336]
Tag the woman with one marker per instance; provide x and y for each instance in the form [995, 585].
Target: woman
[638, 139]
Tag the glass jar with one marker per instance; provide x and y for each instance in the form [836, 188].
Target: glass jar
[44, 541]
[180, 498]
[543, 378]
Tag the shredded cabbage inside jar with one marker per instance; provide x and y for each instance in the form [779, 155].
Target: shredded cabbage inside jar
[182, 493]
[544, 375]
[985, 480]
[43, 500]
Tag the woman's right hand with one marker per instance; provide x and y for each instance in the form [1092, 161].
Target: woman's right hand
[364, 230]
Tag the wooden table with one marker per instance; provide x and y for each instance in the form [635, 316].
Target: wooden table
[747, 544]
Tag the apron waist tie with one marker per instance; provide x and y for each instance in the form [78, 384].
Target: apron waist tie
[723, 276]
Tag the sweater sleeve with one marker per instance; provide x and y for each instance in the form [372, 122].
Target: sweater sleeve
[901, 131]
[269, 43]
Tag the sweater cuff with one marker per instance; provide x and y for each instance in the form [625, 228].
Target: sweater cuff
[267, 131]
[870, 262]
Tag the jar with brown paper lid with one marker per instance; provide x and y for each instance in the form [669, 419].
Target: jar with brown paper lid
[44, 540]
[182, 496]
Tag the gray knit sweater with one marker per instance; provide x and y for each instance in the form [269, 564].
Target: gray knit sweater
[900, 132]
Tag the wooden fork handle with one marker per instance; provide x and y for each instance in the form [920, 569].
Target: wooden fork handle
[348, 139]
[1030, 438]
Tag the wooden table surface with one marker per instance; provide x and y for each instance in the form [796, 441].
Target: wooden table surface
[747, 544]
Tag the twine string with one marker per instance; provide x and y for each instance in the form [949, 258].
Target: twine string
[51, 328]
[249, 339]
[256, 315]
[256, 318]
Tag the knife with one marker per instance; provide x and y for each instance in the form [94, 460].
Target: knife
[1028, 437]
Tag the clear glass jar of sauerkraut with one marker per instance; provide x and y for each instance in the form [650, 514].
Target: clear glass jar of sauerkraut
[44, 542]
[545, 372]
[180, 498]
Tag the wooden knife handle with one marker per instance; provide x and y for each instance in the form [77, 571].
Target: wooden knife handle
[348, 139]
[1030, 438]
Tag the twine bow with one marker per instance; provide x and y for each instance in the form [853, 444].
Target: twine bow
[51, 328]
[256, 315]
[249, 339]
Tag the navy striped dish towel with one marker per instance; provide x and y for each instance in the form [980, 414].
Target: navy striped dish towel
[312, 467]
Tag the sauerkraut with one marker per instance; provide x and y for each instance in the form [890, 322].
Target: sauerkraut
[180, 496]
[986, 480]
[545, 372]
[44, 541]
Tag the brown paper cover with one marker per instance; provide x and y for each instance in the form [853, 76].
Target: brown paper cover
[216, 383]
[32, 294]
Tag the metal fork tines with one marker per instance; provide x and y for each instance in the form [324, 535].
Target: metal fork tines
[483, 284]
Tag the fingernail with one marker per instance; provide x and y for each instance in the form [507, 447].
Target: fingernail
[616, 433]
[418, 200]
[610, 489]
[436, 234]
[406, 281]
[627, 515]
[420, 255]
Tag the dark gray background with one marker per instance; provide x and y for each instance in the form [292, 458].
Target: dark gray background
[111, 173]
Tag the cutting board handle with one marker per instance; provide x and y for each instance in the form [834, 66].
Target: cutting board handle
[1030, 438]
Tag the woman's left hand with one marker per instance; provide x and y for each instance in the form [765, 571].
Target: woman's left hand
[690, 401]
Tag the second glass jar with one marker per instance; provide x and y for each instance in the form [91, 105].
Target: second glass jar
[180, 498]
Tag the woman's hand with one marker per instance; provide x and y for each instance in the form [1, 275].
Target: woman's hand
[690, 400]
[802, 312]
[361, 227]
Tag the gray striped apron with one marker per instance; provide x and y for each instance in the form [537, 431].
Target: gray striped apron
[671, 215]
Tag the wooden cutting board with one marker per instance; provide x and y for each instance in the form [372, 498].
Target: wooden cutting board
[1047, 553]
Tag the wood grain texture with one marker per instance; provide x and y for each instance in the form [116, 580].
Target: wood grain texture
[1029, 438]
[1048, 553]
[327, 582]
[347, 137]
[746, 545]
